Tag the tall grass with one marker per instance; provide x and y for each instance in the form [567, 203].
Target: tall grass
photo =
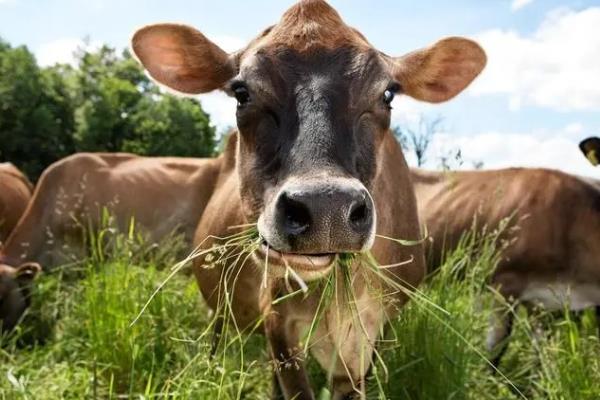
[439, 355]
[78, 340]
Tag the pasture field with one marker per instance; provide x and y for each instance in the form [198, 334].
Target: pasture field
[78, 340]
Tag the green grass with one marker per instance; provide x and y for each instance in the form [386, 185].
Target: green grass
[78, 340]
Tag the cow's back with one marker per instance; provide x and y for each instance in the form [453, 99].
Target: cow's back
[174, 191]
[159, 194]
[554, 217]
[15, 193]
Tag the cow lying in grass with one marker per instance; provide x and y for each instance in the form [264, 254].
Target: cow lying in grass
[552, 256]
[161, 195]
[316, 174]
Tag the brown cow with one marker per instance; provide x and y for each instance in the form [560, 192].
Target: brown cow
[553, 255]
[15, 193]
[160, 194]
[315, 166]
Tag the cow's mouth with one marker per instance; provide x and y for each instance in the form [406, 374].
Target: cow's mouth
[307, 266]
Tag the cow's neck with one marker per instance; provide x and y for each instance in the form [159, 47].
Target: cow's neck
[25, 243]
[397, 216]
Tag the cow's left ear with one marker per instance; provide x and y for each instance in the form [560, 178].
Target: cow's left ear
[591, 148]
[182, 58]
[26, 272]
[439, 72]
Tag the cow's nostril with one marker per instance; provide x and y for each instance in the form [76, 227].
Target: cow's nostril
[360, 216]
[296, 215]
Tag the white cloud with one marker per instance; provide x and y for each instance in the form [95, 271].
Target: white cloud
[61, 51]
[501, 150]
[410, 111]
[229, 43]
[558, 66]
[220, 107]
[518, 4]
[574, 129]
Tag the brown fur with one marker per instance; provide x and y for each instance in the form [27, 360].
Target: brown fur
[15, 193]
[313, 24]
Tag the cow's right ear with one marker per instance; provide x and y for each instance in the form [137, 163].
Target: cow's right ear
[591, 148]
[182, 58]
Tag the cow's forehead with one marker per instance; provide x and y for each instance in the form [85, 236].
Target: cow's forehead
[275, 67]
[311, 24]
[310, 39]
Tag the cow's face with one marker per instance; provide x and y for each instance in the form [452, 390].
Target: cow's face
[14, 292]
[313, 109]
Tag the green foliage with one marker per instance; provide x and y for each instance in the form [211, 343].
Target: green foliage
[444, 343]
[120, 109]
[92, 349]
[169, 125]
[438, 355]
[105, 103]
[36, 114]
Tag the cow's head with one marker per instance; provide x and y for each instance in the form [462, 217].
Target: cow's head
[591, 149]
[15, 286]
[313, 110]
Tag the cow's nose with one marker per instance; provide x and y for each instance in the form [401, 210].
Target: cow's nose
[295, 213]
[360, 216]
[340, 215]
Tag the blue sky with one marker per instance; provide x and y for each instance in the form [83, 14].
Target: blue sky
[538, 97]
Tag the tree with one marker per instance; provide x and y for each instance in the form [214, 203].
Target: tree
[105, 103]
[36, 112]
[167, 124]
[452, 159]
[419, 138]
[120, 109]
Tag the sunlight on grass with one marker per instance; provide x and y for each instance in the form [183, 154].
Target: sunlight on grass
[78, 339]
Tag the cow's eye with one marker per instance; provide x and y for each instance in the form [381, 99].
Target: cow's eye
[241, 94]
[388, 96]
[390, 92]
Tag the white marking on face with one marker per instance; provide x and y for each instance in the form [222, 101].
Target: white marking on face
[556, 295]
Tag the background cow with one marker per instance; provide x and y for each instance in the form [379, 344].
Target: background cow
[315, 166]
[553, 255]
[15, 193]
[160, 194]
